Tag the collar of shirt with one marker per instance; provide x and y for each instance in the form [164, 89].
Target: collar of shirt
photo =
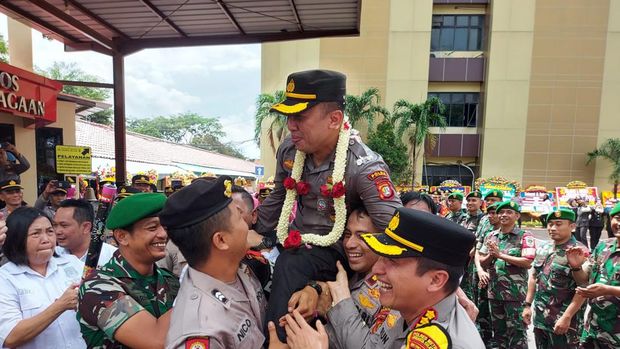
[52, 266]
[443, 311]
[61, 251]
[326, 165]
[119, 267]
[207, 283]
[568, 244]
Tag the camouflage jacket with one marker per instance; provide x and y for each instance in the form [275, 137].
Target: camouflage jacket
[509, 282]
[555, 286]
[458, 217]
[602, 323]
[471, 222]
[116, 292]
[483, 229]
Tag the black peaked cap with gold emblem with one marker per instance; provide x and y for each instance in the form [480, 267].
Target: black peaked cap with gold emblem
[308, 88]
[414, 233]
[62, 187]
[10, 184]
[196, 202]
[126, 190]
[140, 179]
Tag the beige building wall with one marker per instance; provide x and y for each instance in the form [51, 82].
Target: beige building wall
[609, 119]
[507, 88]
[568, 60]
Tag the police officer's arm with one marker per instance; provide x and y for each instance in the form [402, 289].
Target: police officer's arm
[143, 330]
[269, 211]
[377, 192]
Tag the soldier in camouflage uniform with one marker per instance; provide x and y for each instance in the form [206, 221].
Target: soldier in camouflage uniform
[127, 302]
[469, 284]
[455, 203]
[508, 253]
[602, 325]
[558, 311]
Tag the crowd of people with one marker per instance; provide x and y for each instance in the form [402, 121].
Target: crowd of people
[332, 257]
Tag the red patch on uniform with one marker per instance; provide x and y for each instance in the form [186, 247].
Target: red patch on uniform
[385, 189]
[197, 343]
[377, 174]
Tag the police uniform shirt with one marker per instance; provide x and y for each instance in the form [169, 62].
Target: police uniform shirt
[367, 183]
[217, 314]
[25, 293]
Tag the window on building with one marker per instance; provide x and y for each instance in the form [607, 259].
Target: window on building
[461, 108]
[46, 140]
[457, 33]
[434, 174]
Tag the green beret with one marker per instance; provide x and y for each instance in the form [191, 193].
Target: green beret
[493, 207]
[494, 194]
[474, 194]
[563, 213]
[134, 208]
[614, 211]
[456, 195]
[508, 205]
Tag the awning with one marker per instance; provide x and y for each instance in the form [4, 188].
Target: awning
[134, 167]
[198, 170]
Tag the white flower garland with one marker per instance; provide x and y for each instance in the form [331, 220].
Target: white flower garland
[339, 203]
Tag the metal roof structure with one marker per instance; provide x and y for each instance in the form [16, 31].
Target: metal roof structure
[122, 27]
[126, 26]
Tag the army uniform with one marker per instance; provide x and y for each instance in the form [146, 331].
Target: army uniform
[116, 292]
[208, 307]
[367, 183]
[555, 289]
[361, 321]
[602, 327]
[469, 284]
[483, 320]
[508, 286]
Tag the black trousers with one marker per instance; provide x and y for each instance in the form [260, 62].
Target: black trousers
[581, 234]
[595, 236]
[293, 270]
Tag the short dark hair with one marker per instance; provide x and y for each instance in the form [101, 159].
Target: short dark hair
[194, 241]
[454, 272]
[17, 224]
[247, 197]
[82, 210]
[416, 196]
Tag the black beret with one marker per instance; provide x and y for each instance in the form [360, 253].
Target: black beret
[413, 233]
[134, 208]
[196, 202]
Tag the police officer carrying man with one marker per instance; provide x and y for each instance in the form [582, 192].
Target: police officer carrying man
[220, 305]
[127, 302]
[602, 272]
[314, 106]
[551, 287]
[455, 203]
[507, 253]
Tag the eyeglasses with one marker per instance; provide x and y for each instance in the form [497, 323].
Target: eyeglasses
[38, 234]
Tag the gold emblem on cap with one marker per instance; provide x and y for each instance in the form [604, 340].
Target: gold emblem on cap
[12, 183]
[394, 222]
[227, 188]
[557, 214]
[290, 87]
[123, 190]
[512, 204]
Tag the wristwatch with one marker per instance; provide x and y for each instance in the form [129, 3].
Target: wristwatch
[527, 304]
[267, 242]
[316, 287]
[575, 269]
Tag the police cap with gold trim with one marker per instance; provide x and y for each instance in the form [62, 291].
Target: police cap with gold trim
[413, 233]
[10, 184]
[308, 88]
[562, 213]
[196, 202]
[62, 187]
[140, 179]
[125, 191]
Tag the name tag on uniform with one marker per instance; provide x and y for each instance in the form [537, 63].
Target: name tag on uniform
[244, 329]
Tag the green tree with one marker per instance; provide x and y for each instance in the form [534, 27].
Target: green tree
[391, 148]
[70, 71]
[417, 119]
[208, 142]
[4, 50]
[364, 107]
[180, 128]
[277, 128]
[610, 150]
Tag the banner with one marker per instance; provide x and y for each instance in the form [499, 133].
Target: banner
[566, 194]
[536, 199]
[508, 188]
[607, 198]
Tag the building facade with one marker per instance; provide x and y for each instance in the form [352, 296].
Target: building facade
[530, 86]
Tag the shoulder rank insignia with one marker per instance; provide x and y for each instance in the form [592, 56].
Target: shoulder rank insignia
[197, 343]
[219, 296]
[431, 336]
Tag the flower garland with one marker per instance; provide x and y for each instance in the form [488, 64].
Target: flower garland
[337, 191]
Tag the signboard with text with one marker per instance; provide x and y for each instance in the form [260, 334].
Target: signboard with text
[566, 194]
[73, 159]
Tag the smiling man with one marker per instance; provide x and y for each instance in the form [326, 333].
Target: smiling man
[127, 303]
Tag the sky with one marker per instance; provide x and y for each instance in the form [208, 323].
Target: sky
[213, 81]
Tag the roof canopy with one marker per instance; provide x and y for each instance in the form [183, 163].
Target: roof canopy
[127, 26]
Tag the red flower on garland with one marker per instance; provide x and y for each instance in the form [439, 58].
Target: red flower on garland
[338, 190]
[289, 183]
[303, 188]
[325, 190]
[346, 125]
[293, 240]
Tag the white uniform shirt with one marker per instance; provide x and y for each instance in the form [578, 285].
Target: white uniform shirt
[107, 251]
[25, 293]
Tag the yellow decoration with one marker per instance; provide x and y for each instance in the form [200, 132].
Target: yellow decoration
[290, 87]
[365, 302]
[228, 188]
[378, 246]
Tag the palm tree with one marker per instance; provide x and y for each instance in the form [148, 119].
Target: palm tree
[610, 150]
[277, 129]
[417, 119]
[364, 107]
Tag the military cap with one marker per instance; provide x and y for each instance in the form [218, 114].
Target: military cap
[168, 190]
[493, 207]
[10, 184]
[308, 88]
[614, 211]
[562, 213]
[456, 195]
[436, 192]
[508, 205]
[494, 194]
[62, 187]
[125, 191]
[474, 194]
[134, 208]
[197, 202]
[140, 179]
[413, 233]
